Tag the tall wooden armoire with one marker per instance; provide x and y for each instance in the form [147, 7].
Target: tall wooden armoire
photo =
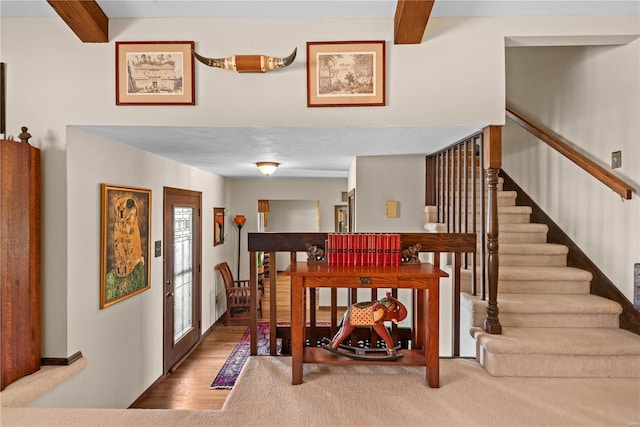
[20, 260]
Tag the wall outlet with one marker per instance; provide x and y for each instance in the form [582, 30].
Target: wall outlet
[616, 159]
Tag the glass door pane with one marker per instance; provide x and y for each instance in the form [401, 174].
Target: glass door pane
[183, 271]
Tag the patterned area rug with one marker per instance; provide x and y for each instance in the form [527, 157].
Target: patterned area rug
[229, 372]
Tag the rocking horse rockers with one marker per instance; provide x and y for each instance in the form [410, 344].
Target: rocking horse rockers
[372, 314]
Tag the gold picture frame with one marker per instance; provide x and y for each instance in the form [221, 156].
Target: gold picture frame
[155, 73]
[125, 243]
[346, 74]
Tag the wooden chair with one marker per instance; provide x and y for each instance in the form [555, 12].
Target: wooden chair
[238, 293]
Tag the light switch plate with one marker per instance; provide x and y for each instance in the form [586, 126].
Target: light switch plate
[392, 209]
[616, 159]
[158, 247]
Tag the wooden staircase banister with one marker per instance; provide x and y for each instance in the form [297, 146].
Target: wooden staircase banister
[601, 174]
[462, 186]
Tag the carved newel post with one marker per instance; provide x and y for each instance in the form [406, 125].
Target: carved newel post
[492, 164]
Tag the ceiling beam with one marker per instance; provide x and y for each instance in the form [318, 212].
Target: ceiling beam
[85, 18]
[411, 20]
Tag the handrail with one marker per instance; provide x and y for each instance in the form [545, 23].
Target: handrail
[595, 170]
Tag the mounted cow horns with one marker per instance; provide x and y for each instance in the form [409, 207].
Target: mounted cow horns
[248, 63]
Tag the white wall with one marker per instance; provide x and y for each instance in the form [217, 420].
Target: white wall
[245, 194]
[382, 178]
[293, 216]
[591, 97]
[123, 342]
[455, 77]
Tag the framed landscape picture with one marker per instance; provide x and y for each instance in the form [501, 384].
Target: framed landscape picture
[345, 74]
[155, 73]
[125, 243]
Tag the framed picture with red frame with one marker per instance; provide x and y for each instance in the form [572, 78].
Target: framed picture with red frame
[155, 73]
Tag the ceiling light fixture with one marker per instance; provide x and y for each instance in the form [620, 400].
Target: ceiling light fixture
[267, 168]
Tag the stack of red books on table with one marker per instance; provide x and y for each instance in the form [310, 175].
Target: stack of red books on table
[376, 249]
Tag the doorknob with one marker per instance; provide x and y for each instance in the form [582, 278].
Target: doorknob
[169, 294]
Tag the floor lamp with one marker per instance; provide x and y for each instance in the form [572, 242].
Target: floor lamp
[239, 220]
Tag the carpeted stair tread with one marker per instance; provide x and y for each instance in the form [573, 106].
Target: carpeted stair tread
[547, 304]
[560, 341]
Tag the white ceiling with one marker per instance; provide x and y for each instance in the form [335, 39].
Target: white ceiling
[303, 152]
[324, 8]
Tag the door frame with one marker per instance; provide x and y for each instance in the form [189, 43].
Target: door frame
[351, 211]
[167, 318]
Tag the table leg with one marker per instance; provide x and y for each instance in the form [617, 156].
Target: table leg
[297, 329]
[253, 304]
[419, 320]
[273, 308]
[432, 339]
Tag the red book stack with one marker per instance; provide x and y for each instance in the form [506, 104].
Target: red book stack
[376, 249]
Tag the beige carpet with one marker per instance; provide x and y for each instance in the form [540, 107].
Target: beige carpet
[379, 395]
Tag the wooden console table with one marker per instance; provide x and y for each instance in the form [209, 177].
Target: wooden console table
[422, 278]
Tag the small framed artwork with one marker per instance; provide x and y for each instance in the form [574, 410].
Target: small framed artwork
[345, 74]
[125, 243]
[218, 226]
[3, 104]
[340, 218]
[155, 73]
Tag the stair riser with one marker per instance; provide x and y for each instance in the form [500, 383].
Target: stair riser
[502, 218]
[531, 286]
[530, 260]
[505, 237]
[533, 260]
[505, 218]
[502, 201]
[454, 190]
[479, 185]
[538, 320]
[456, 193]
[558, 366]
[479, 176]
[502, 237]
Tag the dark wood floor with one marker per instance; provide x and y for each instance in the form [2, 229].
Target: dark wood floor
[188, 386]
